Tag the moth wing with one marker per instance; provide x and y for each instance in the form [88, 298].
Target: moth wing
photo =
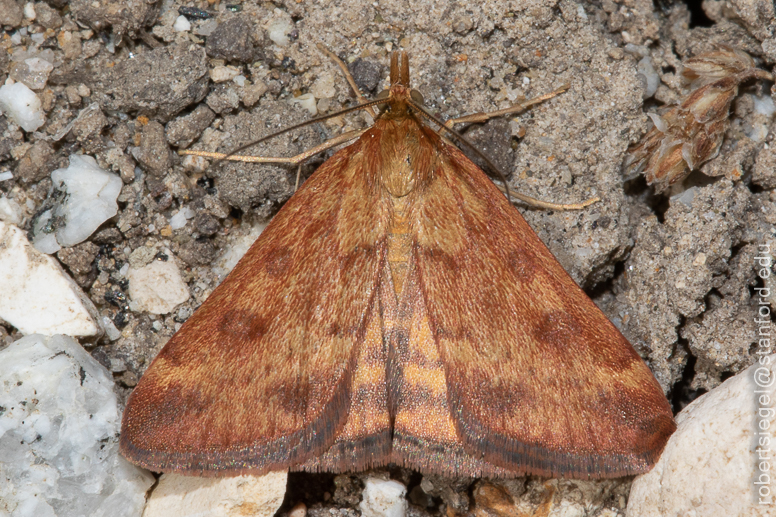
[539, 381]
[259, 377]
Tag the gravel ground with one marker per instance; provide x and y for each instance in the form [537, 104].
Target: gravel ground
[674, 271]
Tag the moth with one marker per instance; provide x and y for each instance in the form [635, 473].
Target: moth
[398, 309]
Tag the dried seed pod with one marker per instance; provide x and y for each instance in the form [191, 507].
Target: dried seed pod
[723, 62]
[689, 134]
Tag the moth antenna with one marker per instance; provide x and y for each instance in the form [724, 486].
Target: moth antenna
[362, 104]
[233, 152]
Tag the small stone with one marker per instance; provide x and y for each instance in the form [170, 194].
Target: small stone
[47, 99]
[348, 490]
[153, 154]
[80, 258]
[324, 87]
[178, 220]
[463, 24]
[128, 17]
[223, 98]
[113, 333]
[324, 105]
[182, 24]
[366, 74]
[240, 242]
[157, 287]
[47, 16]
[650, 77]
[10, 211]
[182, 131]
[70, 43]
[252, 93]
[107, 236]
[383, 499]
[126, 167]
[91, 48]
[196, 164]
[22, 106]
[216, 206]
[306, 101]
[89, 123]
[198, 252]
[279, 29]
[222, 74]
[36, 164]
[182, 496]
[90, 200]
[206, 224]
[142, 256]
[492, 498]
[172, 78]
[615, 53]
[454, 492]
[206, 28]
[122, 135]
[11, 13]
[232, 41]
[299, 510]
[71, 93]
[20, 150]
[38, 297]
[33, 72]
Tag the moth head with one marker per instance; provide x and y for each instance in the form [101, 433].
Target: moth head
[415, 98]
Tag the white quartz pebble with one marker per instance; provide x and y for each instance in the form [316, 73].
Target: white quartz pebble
[383, 498]
[710, 466]
[186, 496]
[22, 106]
[90, 201]
[59, 428]
[37, 296]
[156, 287]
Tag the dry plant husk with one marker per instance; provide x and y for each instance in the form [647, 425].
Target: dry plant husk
[686, 135]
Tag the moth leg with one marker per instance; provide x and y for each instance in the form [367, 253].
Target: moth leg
[299, 158]
[352, 82]
[298, 177]
[538, 203]
[293, 160]
[517, 108]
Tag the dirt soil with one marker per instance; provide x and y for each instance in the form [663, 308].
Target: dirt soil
[673, 271]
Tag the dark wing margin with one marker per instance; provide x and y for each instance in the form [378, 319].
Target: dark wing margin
[258, 379]
[539, 380]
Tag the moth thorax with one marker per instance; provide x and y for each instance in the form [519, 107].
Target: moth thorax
[398, 176]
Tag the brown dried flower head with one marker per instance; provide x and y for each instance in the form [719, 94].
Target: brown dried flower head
[686, 135]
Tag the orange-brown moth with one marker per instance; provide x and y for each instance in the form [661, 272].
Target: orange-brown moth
[398, 309]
